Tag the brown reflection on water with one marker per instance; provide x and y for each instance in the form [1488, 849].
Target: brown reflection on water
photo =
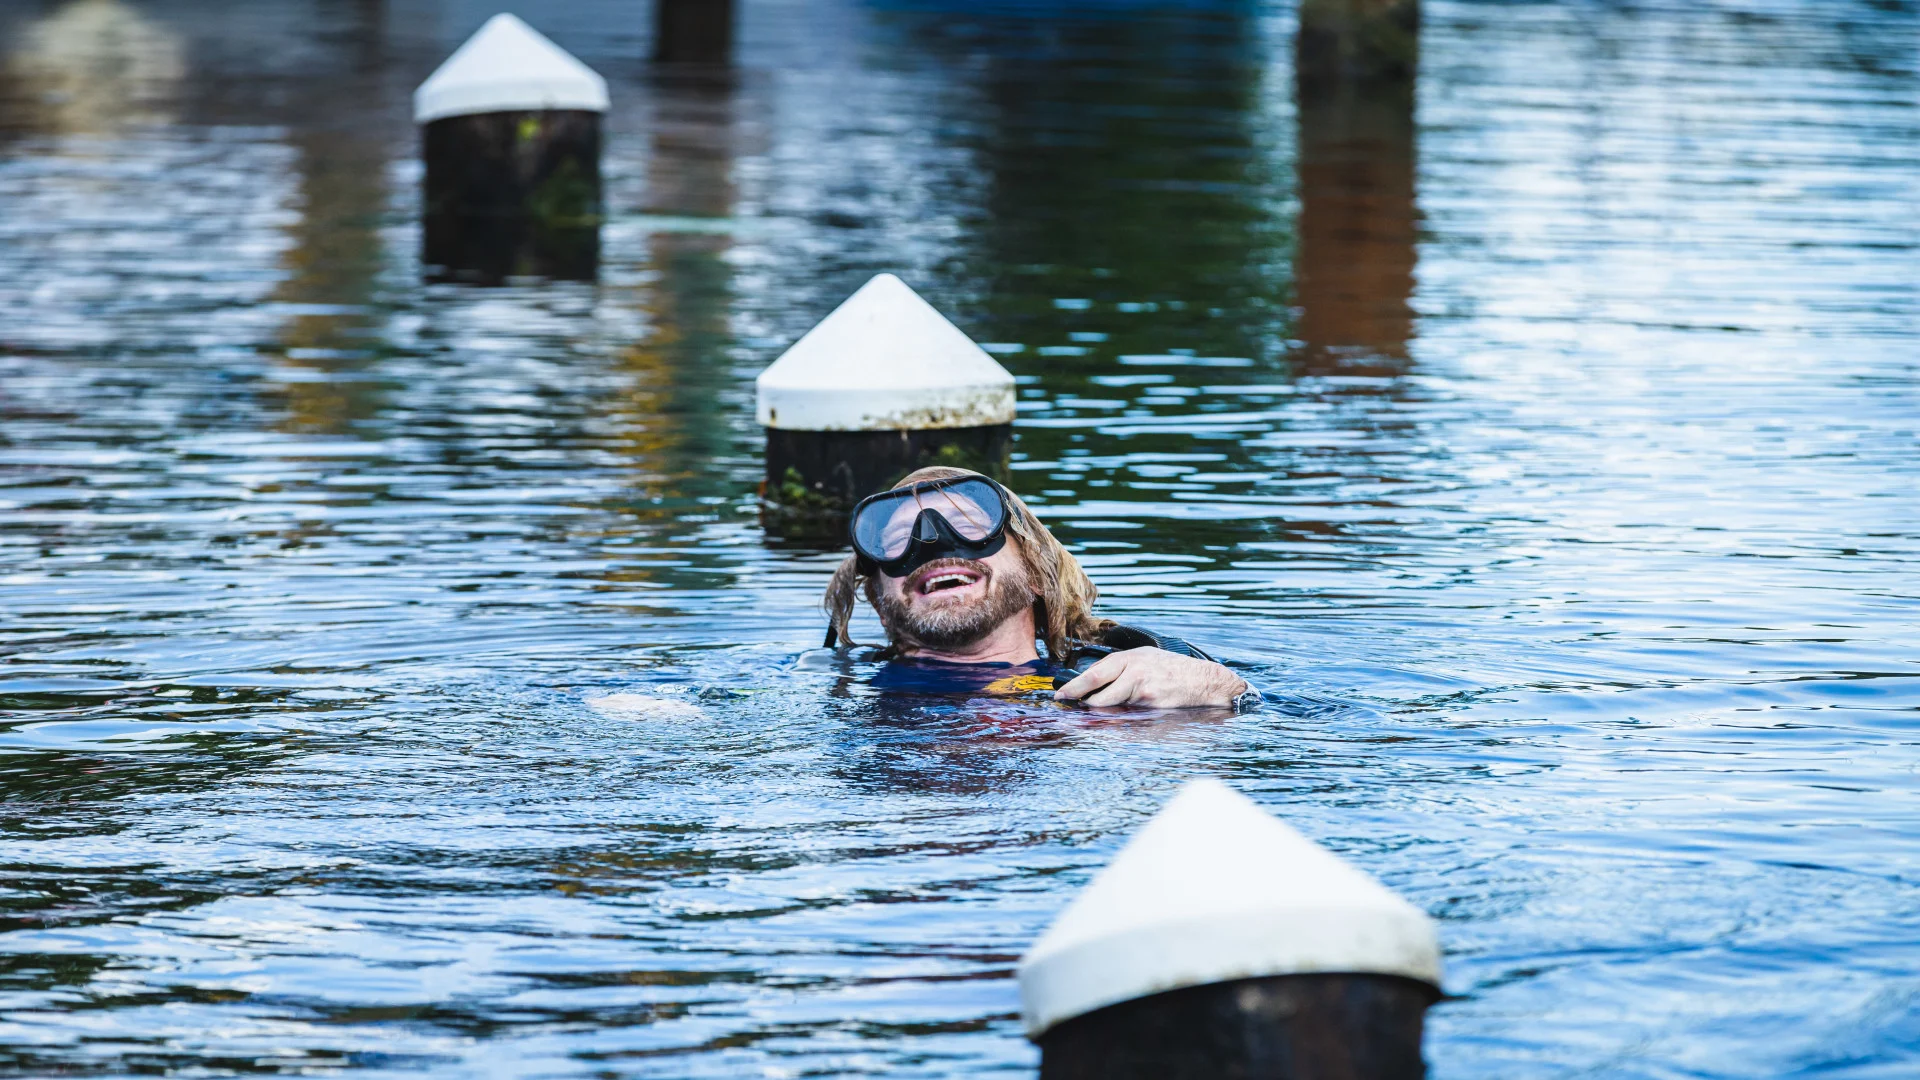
[333, 262]
[332, 267]
[1354, 268]
[674, 422]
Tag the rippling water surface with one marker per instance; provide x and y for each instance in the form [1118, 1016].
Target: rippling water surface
[1556, 454]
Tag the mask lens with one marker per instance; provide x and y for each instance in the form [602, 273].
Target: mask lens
[972, 507]
[884, 527]
[897, 528]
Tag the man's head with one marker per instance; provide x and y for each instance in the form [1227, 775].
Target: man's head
[951, 601]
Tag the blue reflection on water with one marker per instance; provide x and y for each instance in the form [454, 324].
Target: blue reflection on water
[397, 677]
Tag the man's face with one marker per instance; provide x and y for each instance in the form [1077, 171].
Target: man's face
[952, 602]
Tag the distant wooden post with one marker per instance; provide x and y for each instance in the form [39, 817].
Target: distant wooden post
[510, 130]
[1356, 65]
[693, 31]
[1345, 41]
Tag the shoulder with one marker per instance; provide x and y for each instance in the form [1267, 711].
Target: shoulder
[1119, 637]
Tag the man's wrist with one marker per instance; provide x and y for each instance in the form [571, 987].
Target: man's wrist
[1247, 699]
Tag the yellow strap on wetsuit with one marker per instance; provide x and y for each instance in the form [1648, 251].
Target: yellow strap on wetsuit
[1015, 685]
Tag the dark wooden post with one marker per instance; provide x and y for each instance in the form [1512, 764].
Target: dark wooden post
[1343, 42]
[693, 31]
[1287, 1027]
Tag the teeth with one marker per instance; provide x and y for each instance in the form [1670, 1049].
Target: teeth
[941, 581]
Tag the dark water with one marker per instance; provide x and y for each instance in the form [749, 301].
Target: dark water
[1558, 455]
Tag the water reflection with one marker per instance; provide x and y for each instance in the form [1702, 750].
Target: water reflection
[1355, 69]
[1126, 175]
[94, 67]
[1594, 597]
[1133, 218]
[680, 367]
[333, 263]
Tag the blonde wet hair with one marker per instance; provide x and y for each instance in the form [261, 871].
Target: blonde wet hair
[1063, 594]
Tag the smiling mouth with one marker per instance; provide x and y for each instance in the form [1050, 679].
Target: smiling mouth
[948, 579]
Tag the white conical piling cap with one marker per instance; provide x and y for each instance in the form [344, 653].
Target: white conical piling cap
[1215, 888]
[885, 360]
[508, 66]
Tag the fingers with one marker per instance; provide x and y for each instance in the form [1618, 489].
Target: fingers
[1099, 675]
[1153, 677]
[1125, 690]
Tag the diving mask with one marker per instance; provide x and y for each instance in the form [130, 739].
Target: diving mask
[899, 531]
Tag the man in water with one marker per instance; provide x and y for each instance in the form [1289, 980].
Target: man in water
[967, 581]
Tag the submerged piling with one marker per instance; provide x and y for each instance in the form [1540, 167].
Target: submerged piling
[882, 386]
[693, 31]
[1222, 943]
[1342, 42]
[510, 131]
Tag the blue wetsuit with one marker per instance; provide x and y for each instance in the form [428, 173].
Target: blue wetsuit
[943, 677]
[1019, 680]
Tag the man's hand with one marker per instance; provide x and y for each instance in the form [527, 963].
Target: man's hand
[1154, 678]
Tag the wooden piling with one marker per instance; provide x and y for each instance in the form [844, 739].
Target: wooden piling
[821, 474]
[882, 386]
[510, 136]
[1341, 42]
[512, 194]
[693, 31]
[1285, 1027]
[1222, 943]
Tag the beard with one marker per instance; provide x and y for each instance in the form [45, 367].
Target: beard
[947, 626]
